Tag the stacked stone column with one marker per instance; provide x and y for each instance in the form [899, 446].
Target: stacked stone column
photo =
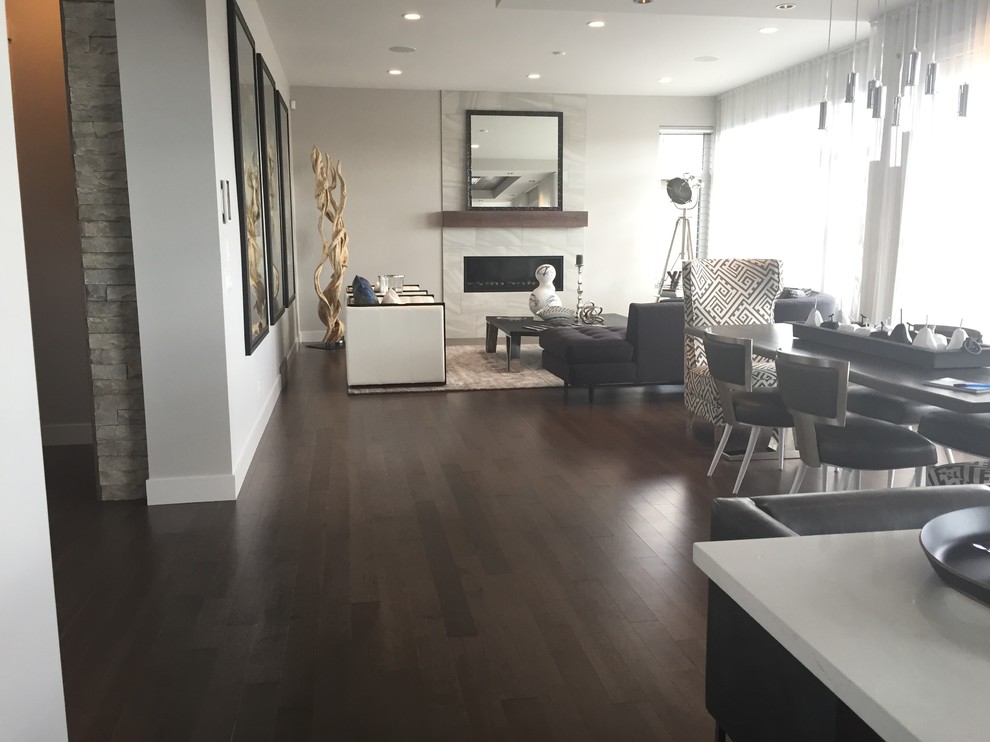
[90, 35]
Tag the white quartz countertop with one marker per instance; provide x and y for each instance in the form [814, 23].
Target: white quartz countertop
[868, 616]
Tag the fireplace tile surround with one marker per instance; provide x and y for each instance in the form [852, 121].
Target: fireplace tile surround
[466, 312]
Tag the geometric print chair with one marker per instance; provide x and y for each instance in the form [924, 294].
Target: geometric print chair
[734, 291]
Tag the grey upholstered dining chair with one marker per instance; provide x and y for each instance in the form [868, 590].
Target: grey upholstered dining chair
[730, 362]
[815, 391]
[969, 433]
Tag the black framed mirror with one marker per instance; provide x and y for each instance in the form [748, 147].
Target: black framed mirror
[515, 160]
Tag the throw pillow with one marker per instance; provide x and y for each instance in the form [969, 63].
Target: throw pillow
[391, 298]
[362, 293]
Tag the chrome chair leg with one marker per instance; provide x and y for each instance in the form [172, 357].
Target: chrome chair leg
[844, 479]
[858, 479]
[750, 447]
[949, 456]
[824, 478]
[781, 433]
[919, 477]
[799, 477]
[721, 447]
[890, 478]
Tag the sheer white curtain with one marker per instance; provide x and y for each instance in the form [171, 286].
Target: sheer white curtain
[782, 188]
[889, 234]
[942, 266]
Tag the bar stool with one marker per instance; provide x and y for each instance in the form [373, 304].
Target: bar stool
[730, 363]
[958, 430]
[815, 391]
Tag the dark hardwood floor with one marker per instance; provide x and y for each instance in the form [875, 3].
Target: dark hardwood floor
[462, 566]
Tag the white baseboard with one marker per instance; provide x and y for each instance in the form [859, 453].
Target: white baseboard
[254, 437]
[66, 434]
[181, 490]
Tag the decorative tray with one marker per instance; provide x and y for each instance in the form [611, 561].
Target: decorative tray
[958, 546]
[892, 351]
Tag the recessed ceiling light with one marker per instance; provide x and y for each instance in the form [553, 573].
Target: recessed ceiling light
[785, 6]
[768, 30]
[412, 16]
[395, 72]
[533, 75]
[642, 2]
[402, 49]
[706, 59]
[596, 24]
[665, 80]
[559, 53]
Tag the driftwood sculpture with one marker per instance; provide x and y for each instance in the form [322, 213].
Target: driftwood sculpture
[331, 206]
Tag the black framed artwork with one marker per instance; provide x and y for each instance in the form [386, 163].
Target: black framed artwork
[247, 168]
[285, 180]
[271, 189]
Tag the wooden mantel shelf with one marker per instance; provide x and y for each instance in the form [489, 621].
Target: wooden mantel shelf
[506, 218]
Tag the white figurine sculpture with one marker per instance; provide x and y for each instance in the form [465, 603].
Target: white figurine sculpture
[544, 296]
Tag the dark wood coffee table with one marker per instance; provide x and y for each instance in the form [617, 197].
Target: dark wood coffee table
[516, 328]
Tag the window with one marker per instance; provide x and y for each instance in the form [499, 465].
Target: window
[686, 152]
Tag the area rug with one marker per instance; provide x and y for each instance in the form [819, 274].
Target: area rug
[470, 368]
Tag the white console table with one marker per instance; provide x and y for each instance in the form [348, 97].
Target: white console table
[866, 614]
[396, 343]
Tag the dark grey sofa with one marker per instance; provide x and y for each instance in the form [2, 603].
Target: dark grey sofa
[649, 350]
[754, 688]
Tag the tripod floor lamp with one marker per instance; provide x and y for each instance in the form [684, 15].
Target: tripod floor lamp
[685, 194]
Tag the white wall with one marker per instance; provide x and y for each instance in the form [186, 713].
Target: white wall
[31, 699]
[628, 236]
[51, 227]
[206, 402]
[253, 381]
[388, 142]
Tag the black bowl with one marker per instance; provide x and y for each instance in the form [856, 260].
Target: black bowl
[958, 546]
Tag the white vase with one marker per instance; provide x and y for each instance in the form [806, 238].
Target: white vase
[544, 295]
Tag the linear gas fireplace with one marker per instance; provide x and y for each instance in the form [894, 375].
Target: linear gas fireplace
[508, 273]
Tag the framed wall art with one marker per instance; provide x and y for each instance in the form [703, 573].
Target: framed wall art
[285, 180]
[271, 189]
[248, 170]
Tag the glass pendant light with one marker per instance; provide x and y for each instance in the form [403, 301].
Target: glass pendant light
[931, 71]
[823, 106]
[851, 77]
[909, 81]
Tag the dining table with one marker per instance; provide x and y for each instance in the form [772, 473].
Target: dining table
[873, 371]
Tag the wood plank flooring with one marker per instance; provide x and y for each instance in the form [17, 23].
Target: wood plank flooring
[462, 566]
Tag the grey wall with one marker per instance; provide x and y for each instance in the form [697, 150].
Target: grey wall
[51, 230]
[31, 705]
[389, 145]
[207, 402]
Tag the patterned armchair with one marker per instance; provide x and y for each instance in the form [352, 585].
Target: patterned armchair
[731, 291]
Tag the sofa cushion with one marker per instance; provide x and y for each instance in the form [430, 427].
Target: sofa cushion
[587, 344]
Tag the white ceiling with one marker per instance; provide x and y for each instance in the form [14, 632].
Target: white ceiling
[494, 44]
